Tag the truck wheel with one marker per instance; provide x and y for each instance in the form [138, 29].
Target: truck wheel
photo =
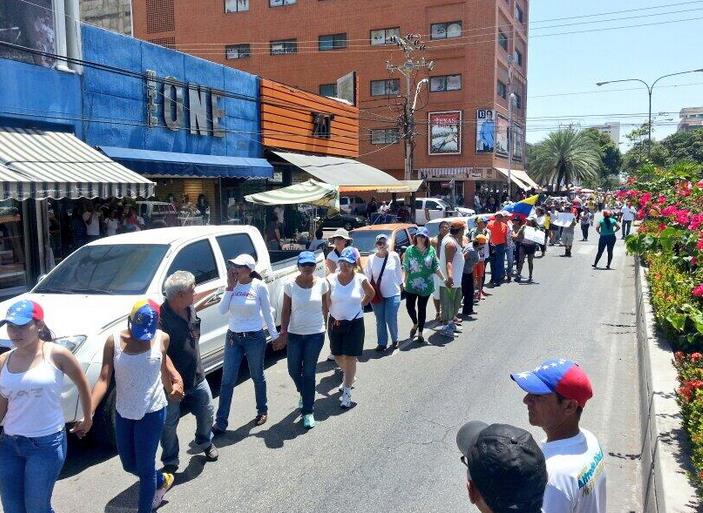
[348, 227]
[103, 430]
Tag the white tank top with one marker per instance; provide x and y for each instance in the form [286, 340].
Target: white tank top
[138, 379]
[457, 261]
[33, 398]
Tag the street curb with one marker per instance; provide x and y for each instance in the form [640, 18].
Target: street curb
[665, 447]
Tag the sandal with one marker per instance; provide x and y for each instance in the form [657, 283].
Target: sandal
[261, 419]
[413, 330]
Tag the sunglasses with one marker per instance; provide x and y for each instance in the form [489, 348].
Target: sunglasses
[307, 264]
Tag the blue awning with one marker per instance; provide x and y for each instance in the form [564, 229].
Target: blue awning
[168, 164]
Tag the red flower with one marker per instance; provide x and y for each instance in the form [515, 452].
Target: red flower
[699, 244]
[679, 356]
[698, 291]
[645, 198]
[696, 356]
[661, 199]
[685, 392]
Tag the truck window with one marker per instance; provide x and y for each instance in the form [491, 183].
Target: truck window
[432, 205]
[401, 239]
[418, 204]
[235, 245]
[196, 258]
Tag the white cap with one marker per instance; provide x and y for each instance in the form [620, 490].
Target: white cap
[244, 260]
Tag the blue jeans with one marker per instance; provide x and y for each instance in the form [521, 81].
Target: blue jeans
[199, 402]
[251, 344]
[303, 352]
[137, 441]
[510, 254]
[29, 467]
[498, 264]
[386, 313]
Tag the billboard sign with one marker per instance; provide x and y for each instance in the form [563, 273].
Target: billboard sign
[444, 134]
[29, 25]
[485, 130]
[501, 135]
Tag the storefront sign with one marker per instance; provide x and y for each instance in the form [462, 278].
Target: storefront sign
[203, 106]
[444, 136]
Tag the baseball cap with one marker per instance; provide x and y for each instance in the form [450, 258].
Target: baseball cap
[561, 376]
[381, 236]
[23, 312]
[306, 257]
[144, 320]
[347, 255]
[506, 465]
[423, 232]
[504, 213]
[244, 260]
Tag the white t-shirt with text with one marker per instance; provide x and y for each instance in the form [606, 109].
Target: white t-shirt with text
[576, 470]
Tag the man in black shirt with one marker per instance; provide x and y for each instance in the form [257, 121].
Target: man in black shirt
[179, 320]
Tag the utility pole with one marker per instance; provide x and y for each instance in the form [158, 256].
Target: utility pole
[511, 98]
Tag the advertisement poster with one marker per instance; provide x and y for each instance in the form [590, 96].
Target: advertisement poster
[485, 130]
[518, 142]
[31, 25]
[444, 134]
[501, 135]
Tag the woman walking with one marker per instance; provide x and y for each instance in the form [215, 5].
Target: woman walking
[339, 240]
[350, 292]
[607, 228]
[303, 322]
[586, 220]
[385, 272]
[526, 249]
[33, 445]
[246, 301]
[437, 245]
[137, 357]
[421, 264]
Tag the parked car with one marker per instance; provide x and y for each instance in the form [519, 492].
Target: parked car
[90, 293]
[152, 211]
[352, 205]
[399, 238]
[427, 209]
[346, 221]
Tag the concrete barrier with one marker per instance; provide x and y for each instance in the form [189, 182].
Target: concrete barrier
[665, 449]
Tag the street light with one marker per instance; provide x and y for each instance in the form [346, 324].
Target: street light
[650, 89]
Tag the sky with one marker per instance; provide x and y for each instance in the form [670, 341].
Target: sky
[559, 65]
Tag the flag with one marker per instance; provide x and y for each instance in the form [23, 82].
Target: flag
[523, 208]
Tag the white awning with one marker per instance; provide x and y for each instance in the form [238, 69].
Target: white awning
[527, 179]
[348, 174]
[442, 172]
[42, 164]
[310, 192]
[515, 177]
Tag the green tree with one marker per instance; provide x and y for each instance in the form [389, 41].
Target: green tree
[639, 153]
[684, 147]
[611, 160]
[565, 156]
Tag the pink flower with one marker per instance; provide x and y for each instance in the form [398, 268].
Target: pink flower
[694, 261]
[669, 211]
[682, 217]
[698, 290]
[696, 222]
[699, 244]
[662, 199]
[645, 198]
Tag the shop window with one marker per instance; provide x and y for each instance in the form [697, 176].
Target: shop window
[284, 46]
[445, 30]
[384, 36]
[280, 3]
[388, 87]
[502, 89]
[236, 5]
[332, 42]
[13, 278]
[235, 245]
[503, 40]
[385, 136]
[198, 259]
[445, 83]
[519, 14]
[329, 90]
[241, 51]
[517, 57]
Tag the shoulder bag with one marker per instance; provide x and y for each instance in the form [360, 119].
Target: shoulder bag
[377, 297]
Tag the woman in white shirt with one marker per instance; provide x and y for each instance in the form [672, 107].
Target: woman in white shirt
[385, 273]
[303, 322]
[339, 240]
[350, 292]
[247, 303]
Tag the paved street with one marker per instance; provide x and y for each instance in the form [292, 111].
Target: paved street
[395, 450]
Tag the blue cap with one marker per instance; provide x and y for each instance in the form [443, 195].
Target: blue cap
[561, 376]
[306, 257]
[23, 312]
[144, 320]
[423, 232]
[347, 256]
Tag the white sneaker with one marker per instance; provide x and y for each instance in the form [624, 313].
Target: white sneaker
[330, 358]
[346, 398]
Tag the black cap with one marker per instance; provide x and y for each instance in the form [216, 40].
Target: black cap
[506, 465]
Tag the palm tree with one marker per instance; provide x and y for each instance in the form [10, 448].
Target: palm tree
[565, 156]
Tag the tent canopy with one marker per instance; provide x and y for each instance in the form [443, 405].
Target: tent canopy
[311, 192]
[340, 171]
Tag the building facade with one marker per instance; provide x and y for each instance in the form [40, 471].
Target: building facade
[691, 118]
[478, 48]
[612, 130]
[114, 15]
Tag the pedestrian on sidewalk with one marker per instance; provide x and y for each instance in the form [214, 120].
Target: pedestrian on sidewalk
[437, 245]
[421, 265]
[586, 221]
[138, 358]
[506, 471]
[182, 325]
[350, 292]
[606, 228]
[246, 300]
[557, 392]
[481, 245]
[33, 444]
[385, 273]
[471, 258]
[303, 322]
[628, 216]
[498, 240]
[451, 265]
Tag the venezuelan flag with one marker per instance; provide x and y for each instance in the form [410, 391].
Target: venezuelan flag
[523, 208]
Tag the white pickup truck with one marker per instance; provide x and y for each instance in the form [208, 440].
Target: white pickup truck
[91, 292]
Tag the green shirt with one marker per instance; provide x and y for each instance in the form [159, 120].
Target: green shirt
[607, 226]
[419, 267]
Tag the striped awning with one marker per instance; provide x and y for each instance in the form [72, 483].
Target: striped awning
[440, 172]
[42, 164]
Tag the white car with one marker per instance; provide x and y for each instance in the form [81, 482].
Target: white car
[427, 209]
[352, 205]
[433, 226]
[90, 293]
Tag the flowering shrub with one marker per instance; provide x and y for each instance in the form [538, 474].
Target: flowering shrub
[690, 397]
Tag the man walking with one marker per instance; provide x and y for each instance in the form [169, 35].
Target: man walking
[628, 215]
[506, 471]
[557, 391]
[498, 241]
[179, 320]
[451, 263]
